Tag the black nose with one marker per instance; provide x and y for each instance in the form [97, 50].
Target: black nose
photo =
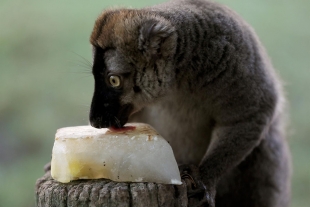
[109, 116]
[99, 123]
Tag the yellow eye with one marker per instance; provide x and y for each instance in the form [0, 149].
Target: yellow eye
[115, 81]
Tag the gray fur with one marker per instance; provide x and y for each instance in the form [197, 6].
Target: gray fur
[201, 78]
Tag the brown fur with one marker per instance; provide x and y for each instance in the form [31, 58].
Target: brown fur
[197, 72]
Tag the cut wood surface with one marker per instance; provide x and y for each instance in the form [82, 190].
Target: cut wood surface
[103, 192]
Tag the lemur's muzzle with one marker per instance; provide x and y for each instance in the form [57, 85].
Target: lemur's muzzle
[108, 114]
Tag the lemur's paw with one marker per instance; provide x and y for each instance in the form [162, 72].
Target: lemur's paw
[199, 193]
[47, 167]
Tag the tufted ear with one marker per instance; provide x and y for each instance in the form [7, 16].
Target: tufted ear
[152, 37]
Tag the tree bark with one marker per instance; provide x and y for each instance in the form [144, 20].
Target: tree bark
[104, 192]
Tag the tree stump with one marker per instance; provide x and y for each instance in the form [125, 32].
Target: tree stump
[104, 192]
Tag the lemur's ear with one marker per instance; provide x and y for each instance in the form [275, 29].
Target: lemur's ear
[153, 34]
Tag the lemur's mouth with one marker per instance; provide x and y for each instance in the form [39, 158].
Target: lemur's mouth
[122, 116]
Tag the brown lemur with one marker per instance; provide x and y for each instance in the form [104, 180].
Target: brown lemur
[197, 73]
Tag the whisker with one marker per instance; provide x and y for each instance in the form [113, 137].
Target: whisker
[86, 61]
[80, 65]
[83, 63]
[118, 123]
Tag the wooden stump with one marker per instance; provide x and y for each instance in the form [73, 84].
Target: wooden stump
[103, 192]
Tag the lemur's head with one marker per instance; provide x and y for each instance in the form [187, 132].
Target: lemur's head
[133, 55]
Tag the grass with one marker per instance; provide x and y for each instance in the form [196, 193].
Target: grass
[46, 84]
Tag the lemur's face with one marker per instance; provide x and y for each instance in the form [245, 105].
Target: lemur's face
[130, 64]
[111, 74]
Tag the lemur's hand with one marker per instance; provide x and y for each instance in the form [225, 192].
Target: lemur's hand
[196, 188]
[47, 167]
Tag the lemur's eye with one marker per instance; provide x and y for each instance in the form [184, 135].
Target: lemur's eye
[115, 81]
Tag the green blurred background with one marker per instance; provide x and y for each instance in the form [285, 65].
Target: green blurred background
[46, 82]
